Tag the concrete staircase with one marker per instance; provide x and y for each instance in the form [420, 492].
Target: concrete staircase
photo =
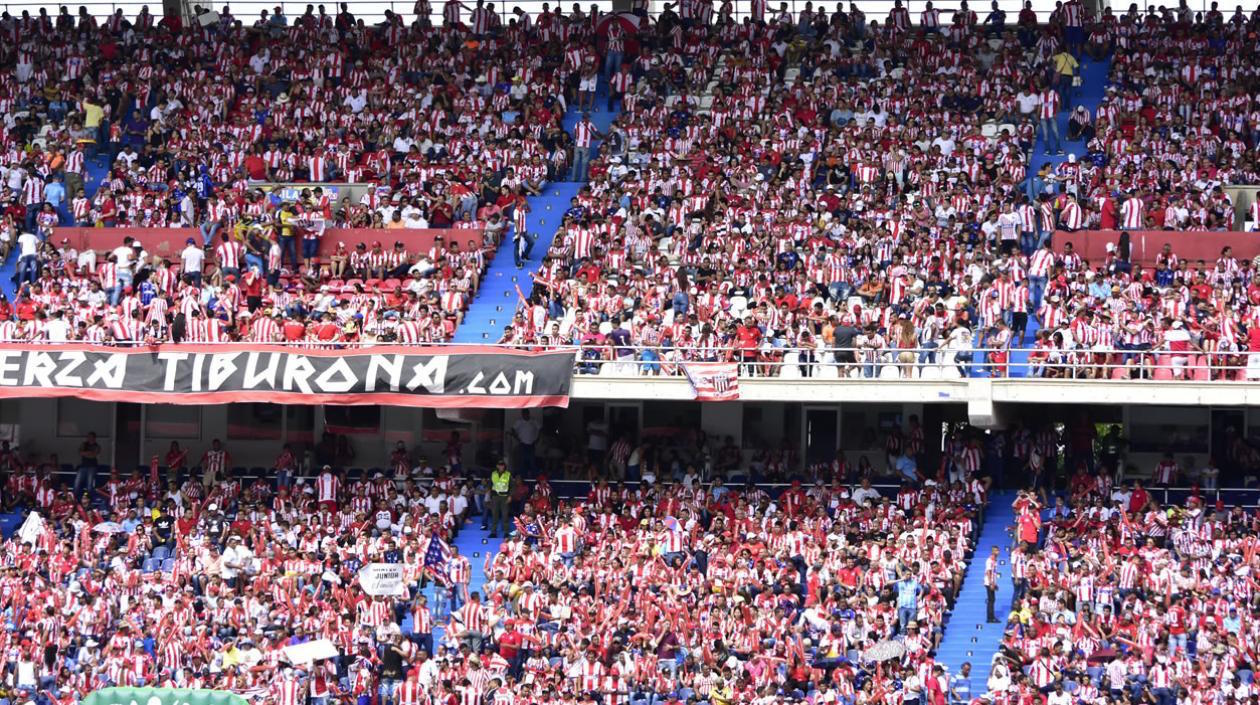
[968, 637]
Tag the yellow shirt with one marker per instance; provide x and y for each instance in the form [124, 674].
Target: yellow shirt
[286, 223]
[1065, 63]
[93, 114]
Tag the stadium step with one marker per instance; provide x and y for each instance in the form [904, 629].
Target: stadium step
[474, 544]
[600, 114]
[495, 303]
[496, 300]
[1094, 80]
[967, 635]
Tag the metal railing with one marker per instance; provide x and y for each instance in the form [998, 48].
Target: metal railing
[929, 363]
[925, 363]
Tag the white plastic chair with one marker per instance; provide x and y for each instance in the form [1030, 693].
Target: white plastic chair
[790, 369]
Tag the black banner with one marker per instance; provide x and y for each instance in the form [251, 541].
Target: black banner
[471, 376]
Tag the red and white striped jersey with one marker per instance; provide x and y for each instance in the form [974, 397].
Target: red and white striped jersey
[1048, 105]
[327, 485]
[1131, 213]
[230, 254]
[33, 190]
[288, 691]
[1041, 263]
[584, 133]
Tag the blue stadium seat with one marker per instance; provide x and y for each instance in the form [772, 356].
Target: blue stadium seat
[161, 552]
[151, 565]
[168, 565]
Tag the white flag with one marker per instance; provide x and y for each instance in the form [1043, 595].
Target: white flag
[32, 528]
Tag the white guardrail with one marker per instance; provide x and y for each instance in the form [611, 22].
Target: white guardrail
[601, 358]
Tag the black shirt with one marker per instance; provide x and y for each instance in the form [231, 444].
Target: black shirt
[163, 525]
[391, 664]
[844, 336]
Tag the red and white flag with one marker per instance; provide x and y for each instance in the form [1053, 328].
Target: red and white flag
[713, 381]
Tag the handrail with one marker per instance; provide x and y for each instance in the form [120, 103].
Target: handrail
[1229, 496]
[930, 363]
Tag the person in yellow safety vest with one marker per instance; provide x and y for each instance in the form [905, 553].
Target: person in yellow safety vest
[500, 499]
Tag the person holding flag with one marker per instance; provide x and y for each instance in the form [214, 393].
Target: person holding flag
[434, 568]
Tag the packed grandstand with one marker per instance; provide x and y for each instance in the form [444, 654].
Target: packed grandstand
[803, 192]
[841, 193]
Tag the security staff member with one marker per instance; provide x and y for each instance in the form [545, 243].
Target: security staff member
[500, 486]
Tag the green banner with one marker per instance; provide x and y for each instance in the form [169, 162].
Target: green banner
[162, 696]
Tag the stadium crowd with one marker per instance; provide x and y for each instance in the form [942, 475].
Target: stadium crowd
[856, 193]
[1120, 599]
[834, 207]
[680, 589]
[195, 121]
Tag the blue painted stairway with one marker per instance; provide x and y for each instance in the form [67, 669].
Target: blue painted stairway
[473, 544]
[1094, 79]
[97, 169]
[967, 635]
[496, 300]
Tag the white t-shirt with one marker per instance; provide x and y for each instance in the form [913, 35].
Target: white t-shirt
[28, 244]
[1009, 224]
[192, 259]
[58, 330]
[356, 102]
[1027, 102]
[946, 143]
[864, 494]
[123, 256]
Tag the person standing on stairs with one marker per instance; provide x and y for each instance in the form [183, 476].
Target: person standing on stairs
[1065, 70]
[522, 239]
[1073, 26]
[584, 135]
[588, 84]
[1048, 103]
[991, 584]
[500, 489]
[619, 84]
[960, 685]
[616, 49]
